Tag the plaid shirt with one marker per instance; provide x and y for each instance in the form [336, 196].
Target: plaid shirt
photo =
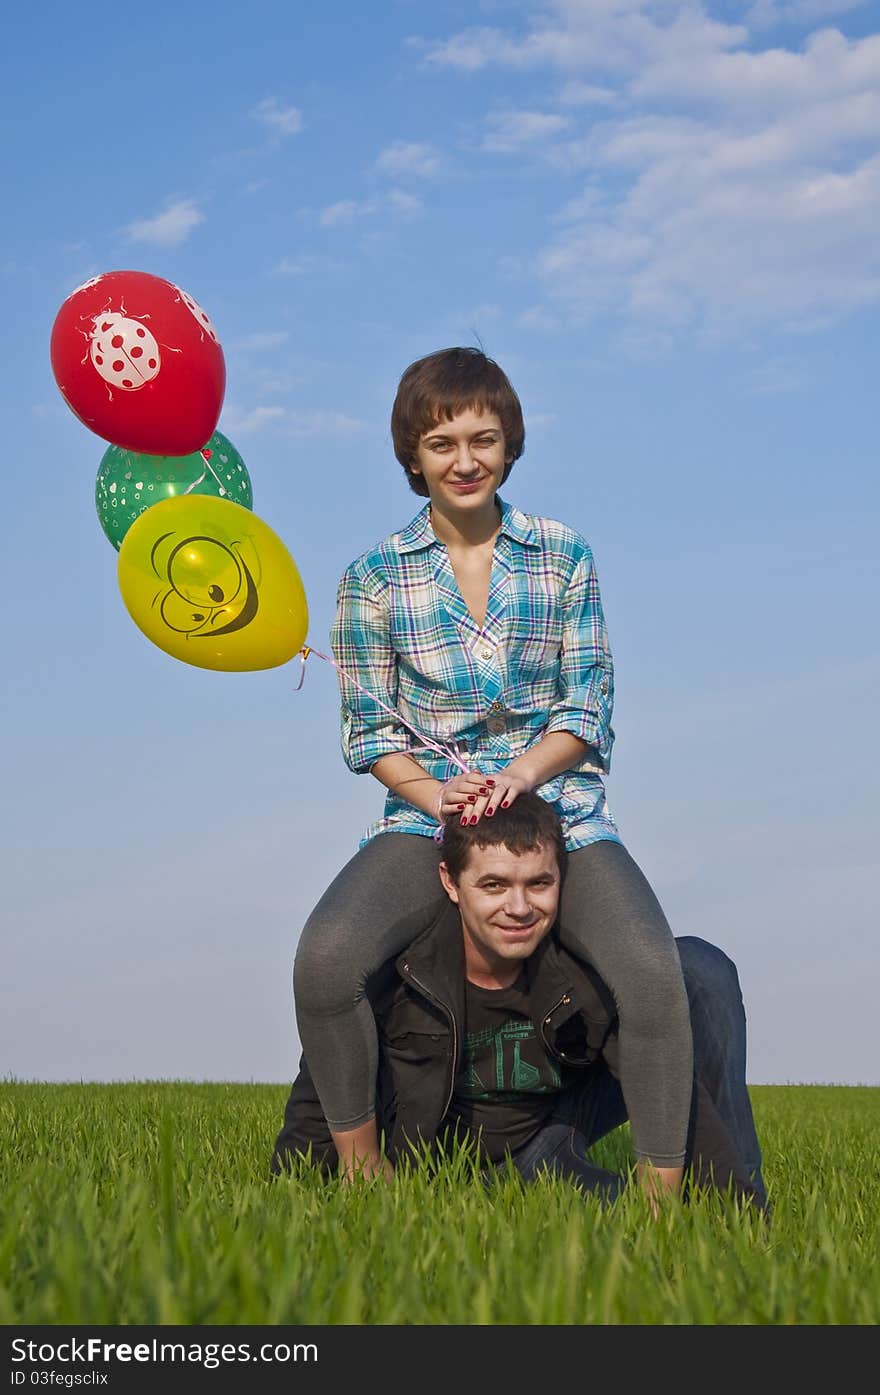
[540, 663]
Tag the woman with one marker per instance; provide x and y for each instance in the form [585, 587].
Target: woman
[482, 628]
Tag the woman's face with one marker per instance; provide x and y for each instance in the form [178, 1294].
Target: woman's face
[462, 461]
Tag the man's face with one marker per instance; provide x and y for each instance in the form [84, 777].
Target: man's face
[508, 902]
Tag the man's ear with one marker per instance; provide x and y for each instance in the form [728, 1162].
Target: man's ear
[449, 885]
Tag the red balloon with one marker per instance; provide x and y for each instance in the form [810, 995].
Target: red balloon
[139, 362]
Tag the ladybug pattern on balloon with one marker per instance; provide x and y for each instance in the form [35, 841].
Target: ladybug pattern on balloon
[138, 360]
[201, 316]
[87, 285]
[123, 350]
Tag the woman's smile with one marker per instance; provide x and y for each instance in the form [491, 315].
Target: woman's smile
[463, 457]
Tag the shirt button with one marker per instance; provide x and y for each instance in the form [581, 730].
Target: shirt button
[603, 686]
[497, 707]
[485, 653]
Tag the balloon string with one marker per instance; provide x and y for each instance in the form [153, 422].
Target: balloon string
[195, 484]
[449, 751]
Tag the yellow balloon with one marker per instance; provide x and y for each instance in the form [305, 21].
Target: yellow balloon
[211, 584]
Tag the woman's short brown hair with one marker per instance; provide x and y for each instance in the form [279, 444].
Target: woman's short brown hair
[437, 388]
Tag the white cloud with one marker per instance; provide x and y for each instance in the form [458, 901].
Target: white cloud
[728, 182]
[474, 49]
[170, 228]
[283, 121]
[346, 211]
[407, 205]
[617, 36]
[713, 250]
[241, 421]
[586, 94]
[539, 318]
[758, 82]
[509, 132]
[409, 158]
[772, 14]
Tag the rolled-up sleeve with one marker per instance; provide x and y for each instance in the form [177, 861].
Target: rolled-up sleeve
[586, 676]
[361, 643]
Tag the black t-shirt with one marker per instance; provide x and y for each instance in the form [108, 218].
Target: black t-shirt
[508, 1084]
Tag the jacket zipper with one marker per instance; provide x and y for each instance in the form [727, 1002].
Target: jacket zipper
[566, 998]
[444, 1007]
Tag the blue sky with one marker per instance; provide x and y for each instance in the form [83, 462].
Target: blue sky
[662, 220]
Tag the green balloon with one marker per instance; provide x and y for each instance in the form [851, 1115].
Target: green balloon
[129, 483]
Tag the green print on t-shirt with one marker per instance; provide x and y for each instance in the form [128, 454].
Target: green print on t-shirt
[498, 1052]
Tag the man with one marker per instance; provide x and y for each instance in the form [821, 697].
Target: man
[490, 1030]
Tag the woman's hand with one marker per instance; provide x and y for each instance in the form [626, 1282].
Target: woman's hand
[473, 795]
[462, 794]
[503, 789]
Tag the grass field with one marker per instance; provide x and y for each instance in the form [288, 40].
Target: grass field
[149, 1203]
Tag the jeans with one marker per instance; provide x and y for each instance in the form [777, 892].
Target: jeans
[722, 1145]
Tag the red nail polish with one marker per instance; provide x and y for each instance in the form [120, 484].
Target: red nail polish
[460, 807]
[505, 803]
[491, 784]
[474, 819]
[472, 799]
[464, 823]
[489, 813]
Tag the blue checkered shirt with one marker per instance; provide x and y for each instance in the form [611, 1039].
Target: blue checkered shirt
[540, 663]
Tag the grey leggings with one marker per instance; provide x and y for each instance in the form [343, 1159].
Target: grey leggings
[609, 916]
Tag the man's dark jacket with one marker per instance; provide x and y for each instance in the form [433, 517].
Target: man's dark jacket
[418, 1001]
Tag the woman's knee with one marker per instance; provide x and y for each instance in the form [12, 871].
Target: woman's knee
[327, 974]
[341, 943]
[643, 960]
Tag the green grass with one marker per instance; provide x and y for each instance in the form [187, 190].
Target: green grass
[149, 1203]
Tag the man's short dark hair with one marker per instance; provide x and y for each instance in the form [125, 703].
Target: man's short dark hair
[528, 823]
[437, 388]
